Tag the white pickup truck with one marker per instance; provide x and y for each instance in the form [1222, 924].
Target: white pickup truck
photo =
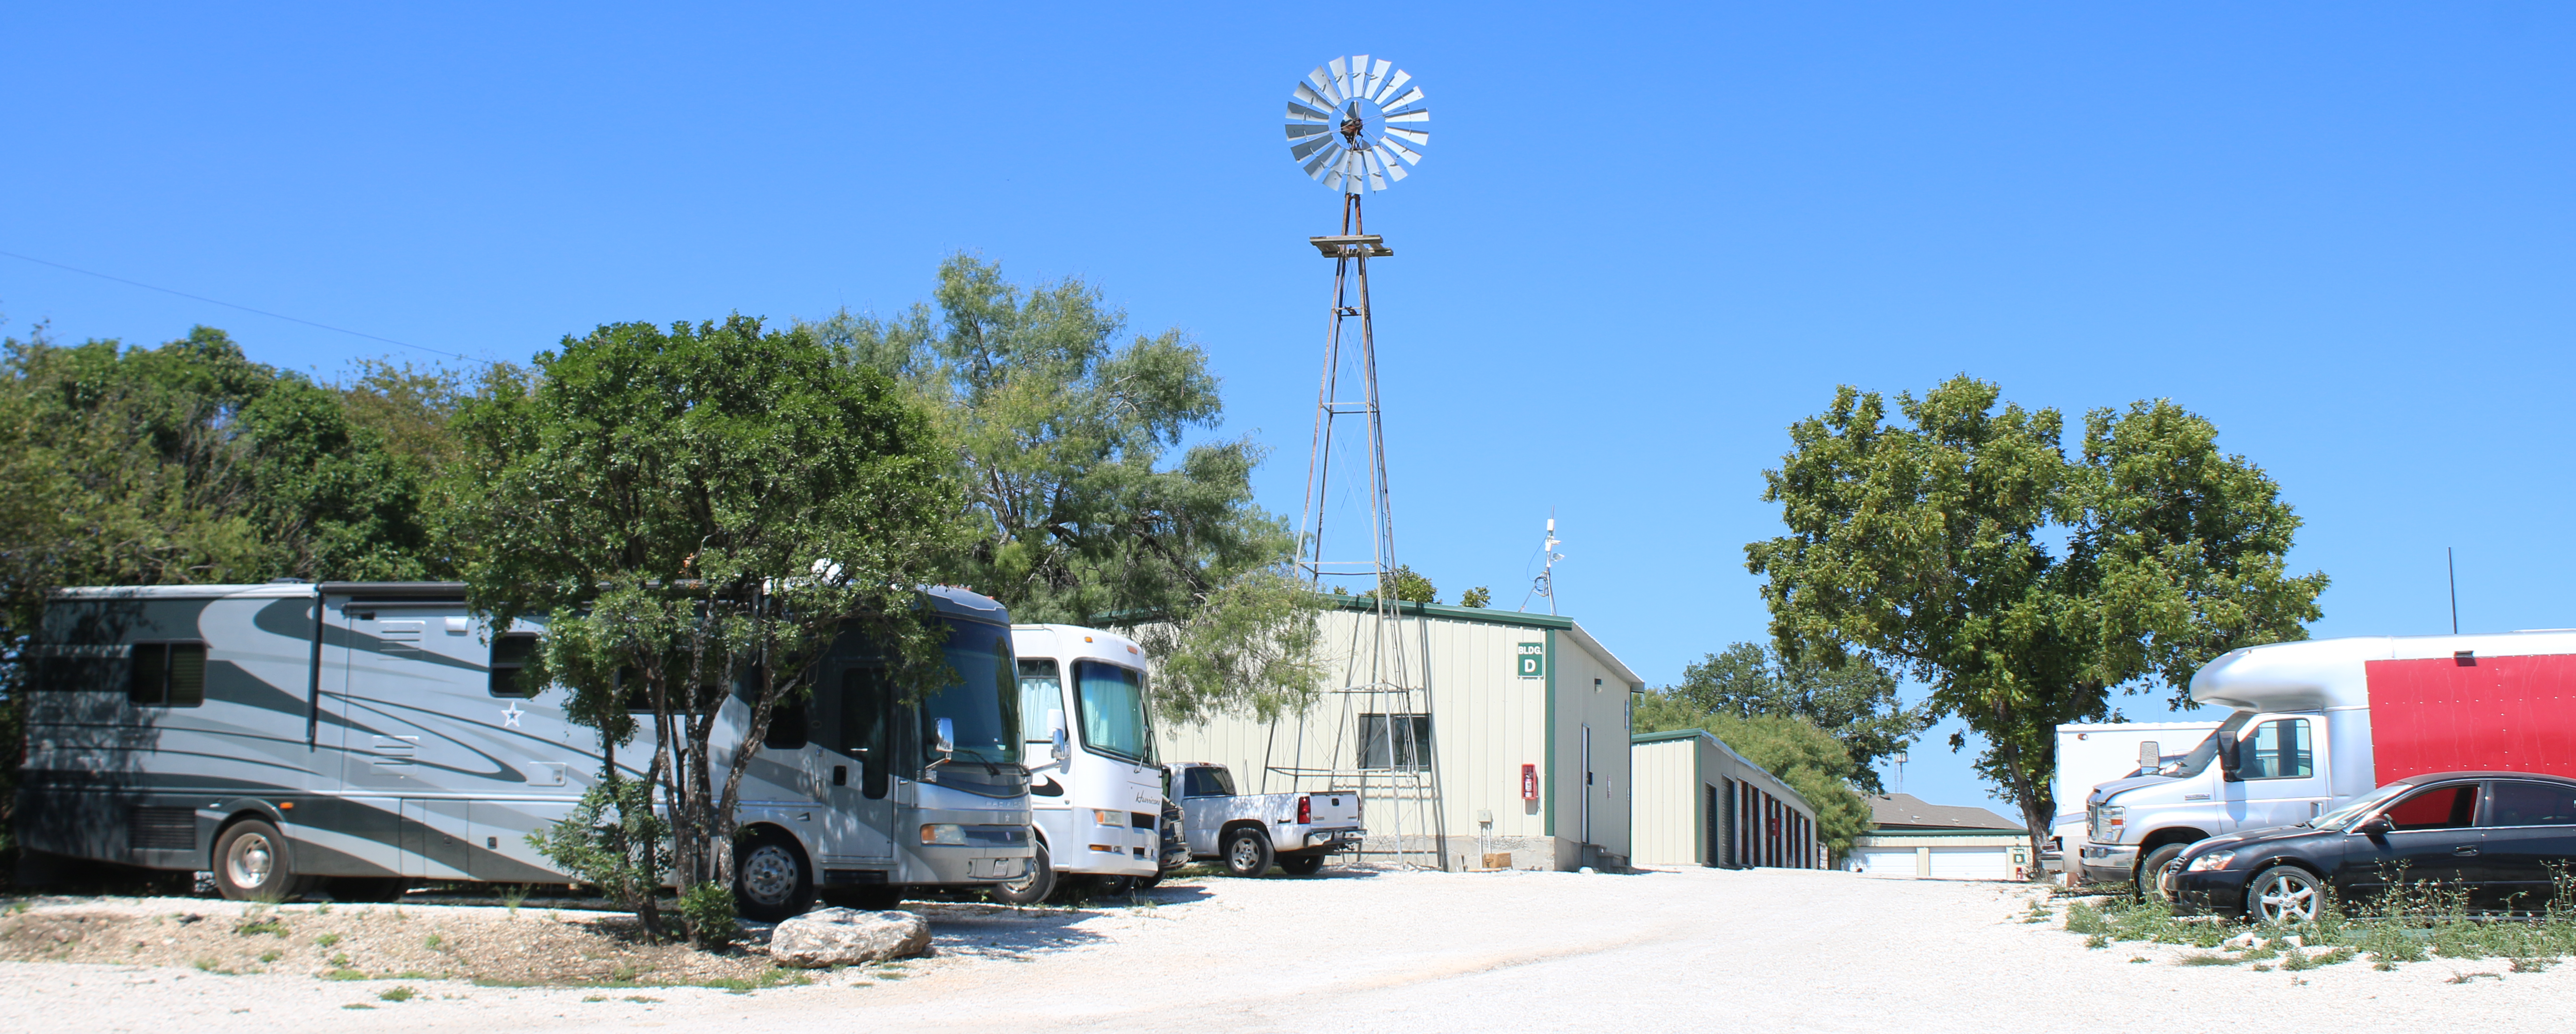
[1250, 831]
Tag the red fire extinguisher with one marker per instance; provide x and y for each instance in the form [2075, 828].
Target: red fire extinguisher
[1529, 782]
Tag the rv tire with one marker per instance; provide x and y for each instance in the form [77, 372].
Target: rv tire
[1301, 864]
[772, 880]
[252, 862]
[1031, 888]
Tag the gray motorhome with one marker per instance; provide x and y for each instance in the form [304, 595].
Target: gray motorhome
[372, 735]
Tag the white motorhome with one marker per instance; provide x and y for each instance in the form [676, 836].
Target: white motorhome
[2320, 720]
[370, 735]
[1094, 785]
[2092, 753]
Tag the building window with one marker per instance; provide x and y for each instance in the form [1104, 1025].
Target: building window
[1400, 742]
[168, 675]
[511, 654]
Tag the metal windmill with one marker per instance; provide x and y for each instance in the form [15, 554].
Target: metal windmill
[1356, 126]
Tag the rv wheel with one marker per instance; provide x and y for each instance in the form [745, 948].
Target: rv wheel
[252, 864]
[1033, 886]
[771, 880]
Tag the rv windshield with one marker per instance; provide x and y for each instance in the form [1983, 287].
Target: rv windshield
[2198, 760]
[1112, 700]
[984, 702]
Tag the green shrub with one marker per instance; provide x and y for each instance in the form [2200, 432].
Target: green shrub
[707, 910]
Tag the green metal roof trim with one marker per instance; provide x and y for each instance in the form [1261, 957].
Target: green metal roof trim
[1441, 610]
[1668, 735]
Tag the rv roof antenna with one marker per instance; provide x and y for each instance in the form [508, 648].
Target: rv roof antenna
[2453, 570]
[1545, 583]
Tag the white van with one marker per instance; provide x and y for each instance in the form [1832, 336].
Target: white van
[1094, 785]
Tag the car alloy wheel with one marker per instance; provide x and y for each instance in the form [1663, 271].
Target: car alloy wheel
[2285, 896]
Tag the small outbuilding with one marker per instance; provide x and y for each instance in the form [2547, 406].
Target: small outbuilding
[1510, 759]
[1911, 839]
[1695, 801]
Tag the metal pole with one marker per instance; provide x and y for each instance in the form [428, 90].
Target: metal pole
[2453, 570]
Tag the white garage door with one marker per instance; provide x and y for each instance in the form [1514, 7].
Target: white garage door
[1893, 861]
[1970, 863]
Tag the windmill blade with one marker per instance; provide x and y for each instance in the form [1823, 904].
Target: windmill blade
[1376, 172]
[1391, 145]
[1300, 151]
[1323, 160]
[1359, 76]
[1415, 137]
[1341, 77]
[1300, 131]
[1411, 97]
[1377, 76]
[1395, 171]
[1332, 97]
[1401, 77]
[1416, 115]
[1302, 112]
[1307, 96]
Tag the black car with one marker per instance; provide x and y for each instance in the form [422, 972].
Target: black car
[2495, 836]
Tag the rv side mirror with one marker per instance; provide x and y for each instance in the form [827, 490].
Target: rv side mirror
[2227, 760]
[1060, 743]
[948, 736]
[2151, 756]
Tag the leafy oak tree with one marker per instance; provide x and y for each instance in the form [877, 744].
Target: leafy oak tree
[1855, 703]
[698, 512]
[1087, 509]
[1964, 547]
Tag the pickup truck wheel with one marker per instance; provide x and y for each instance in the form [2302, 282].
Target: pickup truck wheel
[1301, 864]
[2283, 895]
[1247, 852]
[2153, 866]
[1033, 886]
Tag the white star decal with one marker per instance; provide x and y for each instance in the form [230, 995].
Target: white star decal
[510, 715]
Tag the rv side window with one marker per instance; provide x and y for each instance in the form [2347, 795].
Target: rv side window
[168, 675]
[511, 654]
[791, 720]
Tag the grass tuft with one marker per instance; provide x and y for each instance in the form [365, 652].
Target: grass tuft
[400, 993]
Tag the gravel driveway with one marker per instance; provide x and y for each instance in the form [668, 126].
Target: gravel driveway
[1696, 949]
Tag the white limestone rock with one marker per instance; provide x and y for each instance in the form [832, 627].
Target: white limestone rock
[848, 937]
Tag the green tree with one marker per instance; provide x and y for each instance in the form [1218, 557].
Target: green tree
[1068, 426]
[1476, 598]
[1790, 747]
[697, 512]
[1927, 546]
[1405, 584]
[1855, 702]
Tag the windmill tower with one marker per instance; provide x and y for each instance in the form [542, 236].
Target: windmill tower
[1355, 126]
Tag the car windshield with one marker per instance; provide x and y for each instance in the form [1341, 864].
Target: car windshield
[984, 702]
[2198, 760]
[2359, 806]
[1112, 700]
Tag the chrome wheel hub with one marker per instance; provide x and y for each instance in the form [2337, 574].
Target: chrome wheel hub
[250, 860]
[769, 875]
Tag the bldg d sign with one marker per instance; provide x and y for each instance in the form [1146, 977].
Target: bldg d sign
[1533, 661]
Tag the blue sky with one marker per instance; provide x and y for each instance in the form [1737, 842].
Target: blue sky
[1643, 243]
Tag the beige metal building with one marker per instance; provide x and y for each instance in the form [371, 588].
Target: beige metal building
[1909, 838]
[1698, 802]
[1519, 758]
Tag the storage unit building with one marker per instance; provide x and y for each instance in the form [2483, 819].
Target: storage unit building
[1696, 801]
[1911, 839]
[1527, 726]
